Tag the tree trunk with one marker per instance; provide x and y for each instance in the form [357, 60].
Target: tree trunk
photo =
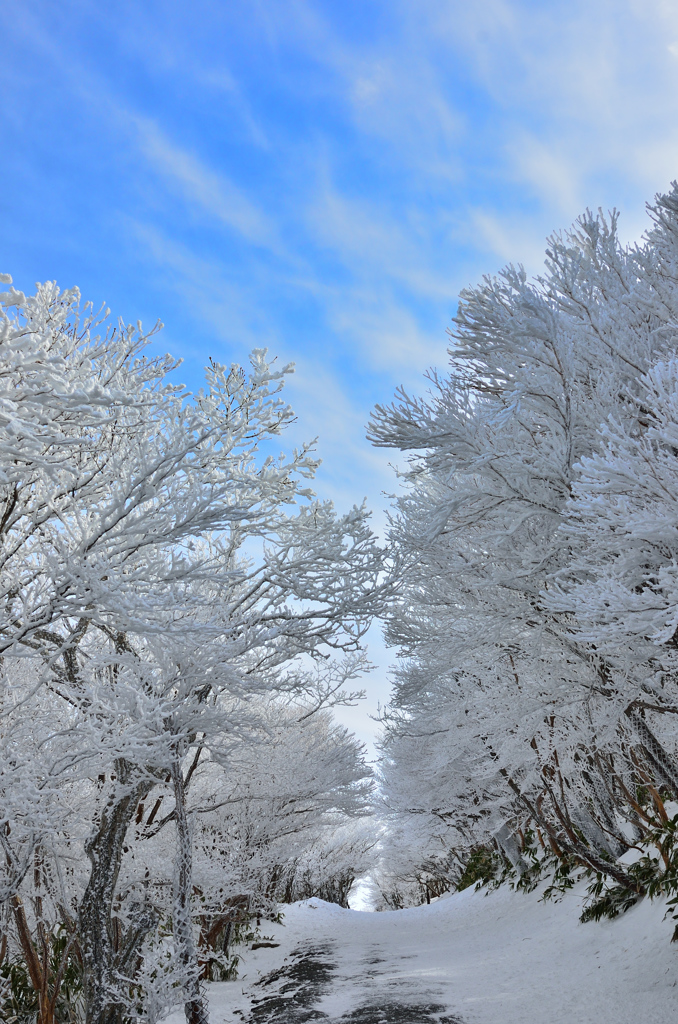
[37, 970]
[194, 1005]
[103, 998]
[584, 855]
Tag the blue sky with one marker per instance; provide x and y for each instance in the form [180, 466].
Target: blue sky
[321, 177]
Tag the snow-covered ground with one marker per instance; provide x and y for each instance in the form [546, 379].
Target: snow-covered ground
[500, 958]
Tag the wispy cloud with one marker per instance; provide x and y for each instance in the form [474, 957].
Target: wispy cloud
[209, 190]
[227, 308]
[377, 242]
[510, 239]
[390, 336]
[554, 174]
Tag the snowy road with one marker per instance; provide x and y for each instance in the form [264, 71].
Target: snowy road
[295, 992]
[504, 958]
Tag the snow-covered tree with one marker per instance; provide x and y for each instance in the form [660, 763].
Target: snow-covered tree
[620, 585]
[156, 574]
[526, 721]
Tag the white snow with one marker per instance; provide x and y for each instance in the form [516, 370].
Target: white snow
[496, 958]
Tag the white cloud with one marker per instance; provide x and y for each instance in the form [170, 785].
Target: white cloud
[228, 308]
[554, 174]
[211, 191]
[401, 100]
[377, 243]
[513, 239]
[379, 325]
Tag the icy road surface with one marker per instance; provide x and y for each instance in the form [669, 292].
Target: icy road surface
[470, 958]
